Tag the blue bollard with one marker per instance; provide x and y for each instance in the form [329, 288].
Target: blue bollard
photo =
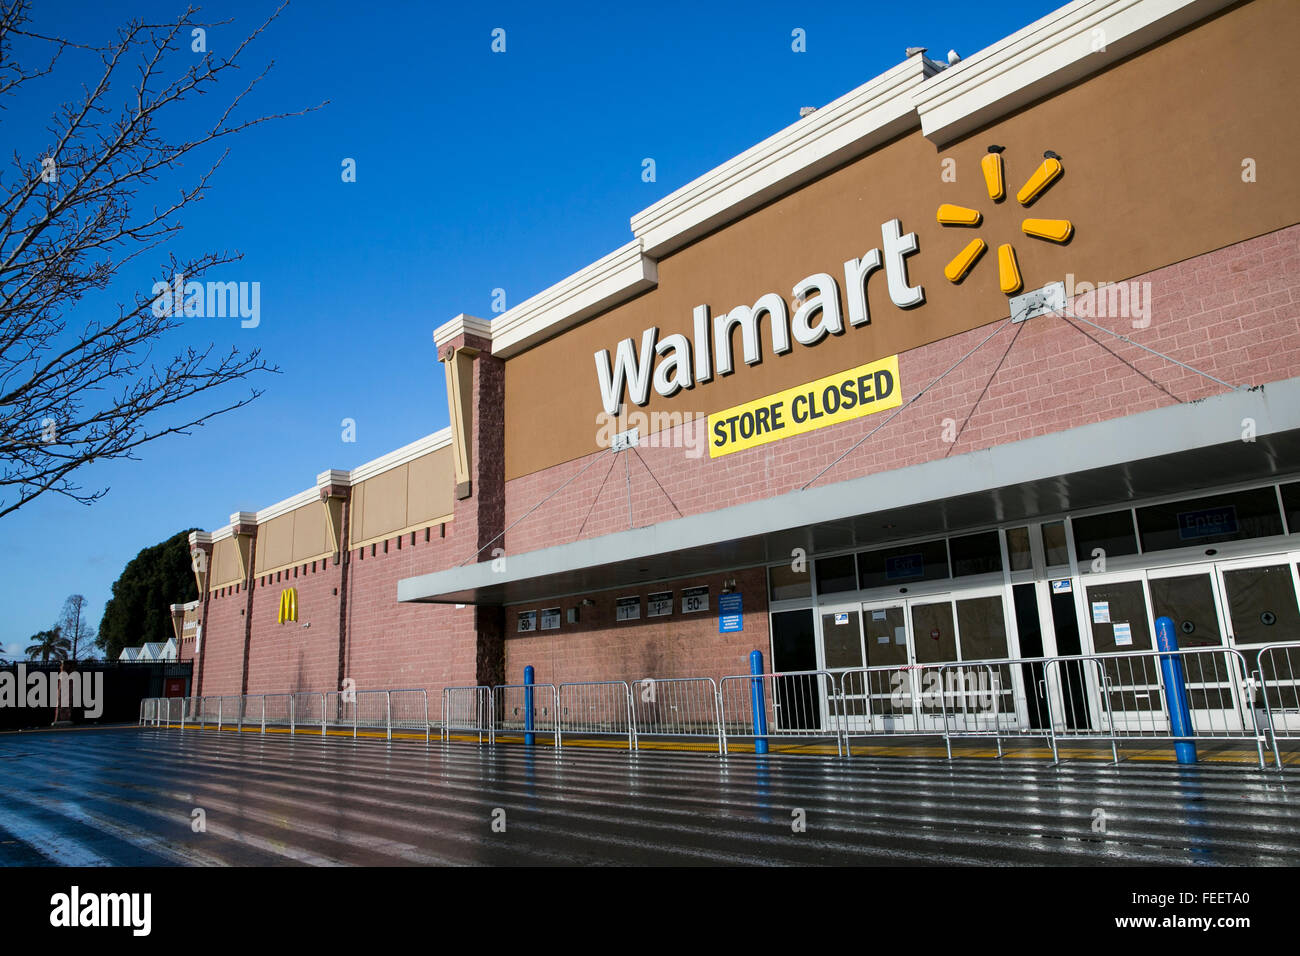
[529, 736]
[756, 699]
[1180, 717]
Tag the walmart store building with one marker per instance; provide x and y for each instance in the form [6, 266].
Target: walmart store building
[826, 403]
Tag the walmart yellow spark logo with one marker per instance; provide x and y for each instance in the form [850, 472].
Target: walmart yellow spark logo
[1053, 230]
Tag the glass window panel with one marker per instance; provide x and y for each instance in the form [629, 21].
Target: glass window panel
[836, 574]
[1112, 532]
[1262, 604]
[1291, 505]
[1054, 549]
[1118, 603]
[886, 631]
[842, 639]
[932, 630]
[784, 582]
[1018, 551]
[903, 565]
[983, 628]
[1189, 602]
[975, 554]
[1201, 521]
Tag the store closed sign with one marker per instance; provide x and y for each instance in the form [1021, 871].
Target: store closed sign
[827, 401]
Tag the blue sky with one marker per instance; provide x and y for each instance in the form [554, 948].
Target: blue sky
[475, 171]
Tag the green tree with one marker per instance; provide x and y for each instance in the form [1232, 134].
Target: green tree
[140, 609]
[49, 644]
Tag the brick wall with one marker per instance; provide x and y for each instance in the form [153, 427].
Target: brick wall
[287, 658]
[223, 642]
[678, 645]
[1232, 313]
[392, 645]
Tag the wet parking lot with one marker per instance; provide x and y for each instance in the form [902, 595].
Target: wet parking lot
[146, 797]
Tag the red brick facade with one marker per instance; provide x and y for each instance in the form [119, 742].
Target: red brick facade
[1233, 313]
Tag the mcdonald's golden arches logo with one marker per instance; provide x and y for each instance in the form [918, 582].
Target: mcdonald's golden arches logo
[288, 605]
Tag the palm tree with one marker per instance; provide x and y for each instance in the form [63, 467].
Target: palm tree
[47, 644]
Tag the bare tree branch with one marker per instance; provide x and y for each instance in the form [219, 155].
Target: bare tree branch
[71, 216]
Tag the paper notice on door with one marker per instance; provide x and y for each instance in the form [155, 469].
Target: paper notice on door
[1123, 634]
[900, 635]
[877, 615]
[883, 639]
[1100, 612]
[841, 618]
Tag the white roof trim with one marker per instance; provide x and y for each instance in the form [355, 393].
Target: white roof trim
[399, 457]
[462, 325]
[370, 469]
[850, 126]
[299, 500]
[1046, 56]
[610, 280]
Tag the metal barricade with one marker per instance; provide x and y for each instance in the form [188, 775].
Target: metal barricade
[525, 709]
[467, 710]
[676, 707]
[787, 705]
[597, 709]
[277, 711]
[1134, 698]
[1277, 675]
[408, 710]
[229, 710]
[1073, 687]
[371, 710]
[341, 709]
[309, 710]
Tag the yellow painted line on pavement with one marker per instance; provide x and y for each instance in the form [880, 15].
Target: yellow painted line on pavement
[546, 739]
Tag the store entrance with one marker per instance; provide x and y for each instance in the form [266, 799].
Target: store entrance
[904, 660]
[1216, 606]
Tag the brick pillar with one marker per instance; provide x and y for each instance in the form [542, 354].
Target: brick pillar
[488, 467]
[477, 378]
[244, 526]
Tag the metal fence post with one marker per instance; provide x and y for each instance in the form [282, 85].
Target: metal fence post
[220, 707]
[388, 712]
[322, 714]
[425, 694]
[292, 728]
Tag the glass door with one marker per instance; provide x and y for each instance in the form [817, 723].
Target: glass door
[841, 650]
[1116, 616]
[934, 643]
[886, 691]
[1189, 596]
[1260, 609]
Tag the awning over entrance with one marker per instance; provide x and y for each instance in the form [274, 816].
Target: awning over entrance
[1166, 451]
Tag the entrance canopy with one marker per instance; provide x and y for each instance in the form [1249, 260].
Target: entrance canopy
[1165, 451]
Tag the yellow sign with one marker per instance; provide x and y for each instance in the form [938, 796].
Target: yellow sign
[288, 605]
[838, 398]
